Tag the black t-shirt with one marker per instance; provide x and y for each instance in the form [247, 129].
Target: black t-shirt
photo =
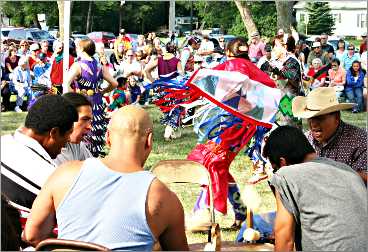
[12, 64]
[328, 48]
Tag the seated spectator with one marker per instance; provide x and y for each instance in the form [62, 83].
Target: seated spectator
[349, 57]
[11, 228]
[130, 66]
[4, 54]
[42, 71]
[45, 50]
[117, 58]
[134, 90]
[120, 97]
[76, 149]
[316, 81]
[33, 57]
[11, 62]
[23, 48]
[317, 53]
[340, 52]
[114, 202]
[337, 77]
[363, 44]
[22, 82]
[314, 196]
[354, 85]
[26, 155]
[329, 135]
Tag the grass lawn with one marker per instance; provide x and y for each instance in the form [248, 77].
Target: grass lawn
[178, 149]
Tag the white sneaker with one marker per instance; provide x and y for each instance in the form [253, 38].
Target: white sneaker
[18, 109]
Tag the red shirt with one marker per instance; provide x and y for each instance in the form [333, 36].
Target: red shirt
[57, 71]
[312, 71]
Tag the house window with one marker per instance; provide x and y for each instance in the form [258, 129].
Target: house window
[302, 17]
[337, 18]
[362, 20]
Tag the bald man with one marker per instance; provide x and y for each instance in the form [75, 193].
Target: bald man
[111, 201]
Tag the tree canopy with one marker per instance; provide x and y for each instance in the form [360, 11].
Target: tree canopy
[320, 18]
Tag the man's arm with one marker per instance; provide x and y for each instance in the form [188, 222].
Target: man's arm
[42, 219]
[165, 216]
[284, 227]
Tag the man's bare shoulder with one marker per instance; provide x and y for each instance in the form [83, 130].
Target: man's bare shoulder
[159, 192]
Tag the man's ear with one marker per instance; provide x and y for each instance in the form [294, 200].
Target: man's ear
[149, 141]
[283, 162]
[108, 141]
[54, 133]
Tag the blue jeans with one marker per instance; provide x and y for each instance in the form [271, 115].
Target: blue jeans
[355, 95]
[264, 223]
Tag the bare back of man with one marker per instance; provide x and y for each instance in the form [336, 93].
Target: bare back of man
[164, 212]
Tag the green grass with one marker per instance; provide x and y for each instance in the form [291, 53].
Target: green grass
[178, 149]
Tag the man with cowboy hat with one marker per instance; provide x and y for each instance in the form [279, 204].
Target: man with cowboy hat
[329, 135]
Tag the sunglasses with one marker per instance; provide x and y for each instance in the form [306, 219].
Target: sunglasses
[22, 45]
[222, 40]
[130, 55]
[350, 49]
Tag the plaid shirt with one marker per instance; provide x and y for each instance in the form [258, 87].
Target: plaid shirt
[348, 145]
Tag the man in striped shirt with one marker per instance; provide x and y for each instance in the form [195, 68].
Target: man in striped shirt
[26, 155]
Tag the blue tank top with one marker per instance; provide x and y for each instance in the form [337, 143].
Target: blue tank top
[107, 208]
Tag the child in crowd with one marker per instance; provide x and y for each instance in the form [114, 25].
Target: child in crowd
[134, 89]
[119, 96]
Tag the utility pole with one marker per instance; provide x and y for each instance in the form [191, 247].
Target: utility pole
[66, 45]
[172, 16]
[121, 14]
[191, 16]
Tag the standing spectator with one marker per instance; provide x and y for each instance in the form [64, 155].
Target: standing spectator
[4, 54]
[300, 54]
[256, 48]
[140, 43]
[22, 82]
[314, 195]
[33, 57]
[222, 42]
[326, 47]
[349, 57]
[11, 62]
[363, 45]
[265, 60]
[122, 38]
[23, 48]
[337, 76]
[317, 53]
[340, 52]
[57, 72]
[354, 85]
[187, 54]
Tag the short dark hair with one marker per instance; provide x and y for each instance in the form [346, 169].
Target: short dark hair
[287, 142]
[336, 60]
[238, 47]
[170, 47]
[51, 111]
[77, 100]
[290, 44]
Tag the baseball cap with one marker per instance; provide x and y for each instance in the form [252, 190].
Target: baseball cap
[42, 56]
[122, 31]
[268, 48]
[194, 40]
[34, 47]
[316, 44]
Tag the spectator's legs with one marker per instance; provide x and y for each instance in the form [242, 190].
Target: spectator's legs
[350, 95]
[5, 95]
[358, 93]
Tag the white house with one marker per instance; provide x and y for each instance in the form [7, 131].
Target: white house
[350, 16]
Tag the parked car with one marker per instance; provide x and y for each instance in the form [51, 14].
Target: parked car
[31, 35]
[332, 40]
[5, 32]
[101, 37]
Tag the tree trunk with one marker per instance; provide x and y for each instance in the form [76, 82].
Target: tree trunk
[36, 23]
[120, 17]
[60, 4]
[285, 18]
[246, 16]
[88, 25]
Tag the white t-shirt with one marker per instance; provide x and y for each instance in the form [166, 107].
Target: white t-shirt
[72, 152]
[126, 68]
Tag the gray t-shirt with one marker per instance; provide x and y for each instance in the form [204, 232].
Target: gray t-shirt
[73, 152]
[329, 202]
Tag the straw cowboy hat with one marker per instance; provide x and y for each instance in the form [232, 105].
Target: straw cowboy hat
[319, 101]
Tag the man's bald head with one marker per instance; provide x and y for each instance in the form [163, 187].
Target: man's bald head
[132, 122]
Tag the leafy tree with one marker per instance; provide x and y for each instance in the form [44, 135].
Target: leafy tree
[320, 18]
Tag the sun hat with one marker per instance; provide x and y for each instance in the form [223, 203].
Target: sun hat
[316, 44]
[34, 47]
[320, 101]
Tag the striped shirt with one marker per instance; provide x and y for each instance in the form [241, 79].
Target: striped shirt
[25, 167]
